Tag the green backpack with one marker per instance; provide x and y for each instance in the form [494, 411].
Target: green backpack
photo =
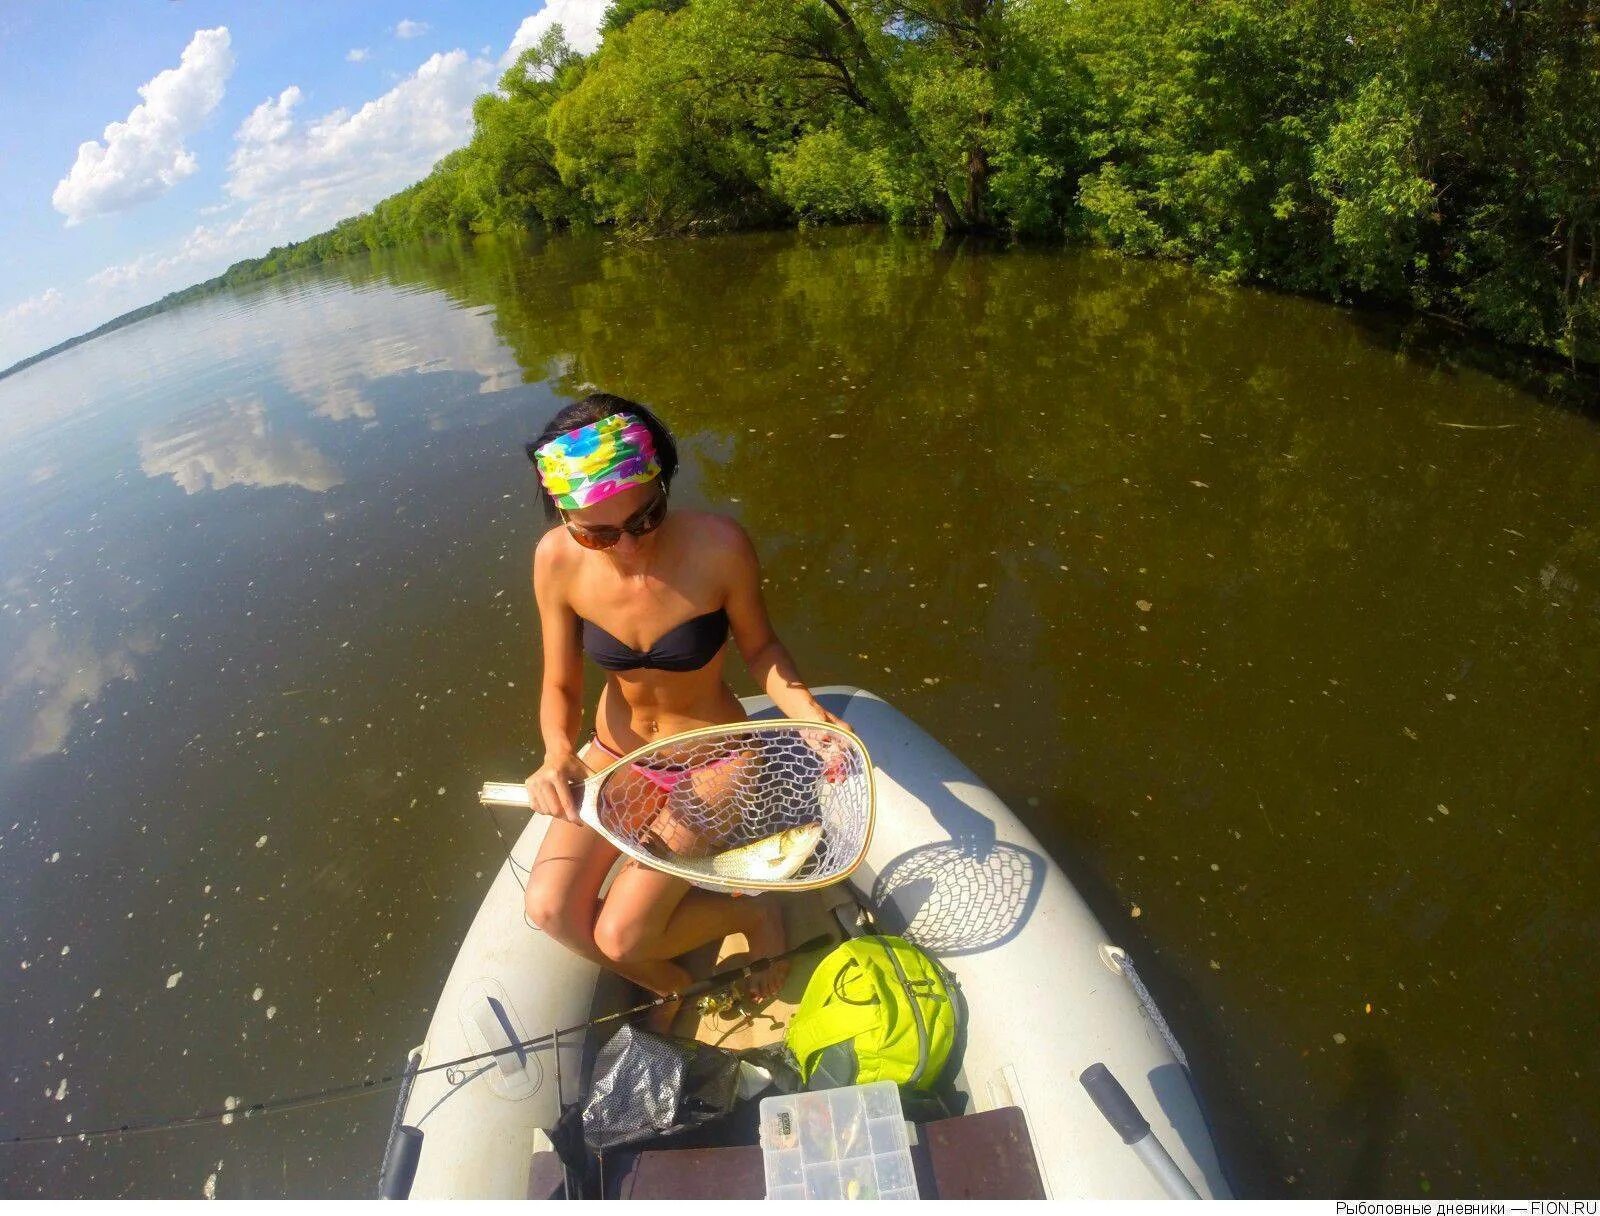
[876, 1009]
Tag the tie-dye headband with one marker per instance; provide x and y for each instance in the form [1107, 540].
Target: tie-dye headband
[594, 462]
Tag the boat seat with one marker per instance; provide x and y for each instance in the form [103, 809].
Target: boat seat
[981, 1156]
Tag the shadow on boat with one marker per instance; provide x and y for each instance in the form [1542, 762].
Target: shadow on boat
[953, 899]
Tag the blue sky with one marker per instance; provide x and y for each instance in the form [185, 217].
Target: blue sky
[151, 144]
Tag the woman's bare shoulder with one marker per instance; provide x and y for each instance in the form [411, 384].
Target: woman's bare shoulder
[717, 535]
[553, 555]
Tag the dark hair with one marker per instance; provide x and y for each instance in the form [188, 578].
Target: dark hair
[591, 409]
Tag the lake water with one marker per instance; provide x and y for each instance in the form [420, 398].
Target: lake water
[1286, 644]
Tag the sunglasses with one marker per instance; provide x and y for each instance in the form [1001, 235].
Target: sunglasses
[602, 536]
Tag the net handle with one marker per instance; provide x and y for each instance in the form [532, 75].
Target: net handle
[507, 794]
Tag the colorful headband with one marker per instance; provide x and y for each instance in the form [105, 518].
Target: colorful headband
[594, 462]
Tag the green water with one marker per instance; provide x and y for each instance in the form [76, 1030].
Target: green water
[1286, 640]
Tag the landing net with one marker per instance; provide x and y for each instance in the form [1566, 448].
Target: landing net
[694, 801]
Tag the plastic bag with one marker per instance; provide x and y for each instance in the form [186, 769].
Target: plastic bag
[645, 1085]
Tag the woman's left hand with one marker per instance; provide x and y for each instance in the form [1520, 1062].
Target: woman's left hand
[818, 714]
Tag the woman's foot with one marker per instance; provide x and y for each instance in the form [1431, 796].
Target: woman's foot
[767, 938]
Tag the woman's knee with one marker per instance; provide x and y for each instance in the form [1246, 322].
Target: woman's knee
[623, 939]
[550, 907]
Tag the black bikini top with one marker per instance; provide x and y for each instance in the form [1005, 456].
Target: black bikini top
[688, 647]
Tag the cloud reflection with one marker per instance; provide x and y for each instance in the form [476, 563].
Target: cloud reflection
[53, 675]
[232, 445]
[382, 337]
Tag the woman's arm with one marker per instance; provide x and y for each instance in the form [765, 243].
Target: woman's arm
[561, 687]
[767, 659]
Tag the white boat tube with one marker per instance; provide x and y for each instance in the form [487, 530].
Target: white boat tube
[951, 869]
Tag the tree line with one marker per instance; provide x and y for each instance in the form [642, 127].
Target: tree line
[1440, 155]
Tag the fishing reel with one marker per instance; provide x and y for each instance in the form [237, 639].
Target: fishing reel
[728, 1004]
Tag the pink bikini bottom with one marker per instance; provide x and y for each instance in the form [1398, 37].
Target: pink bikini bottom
[665, 777]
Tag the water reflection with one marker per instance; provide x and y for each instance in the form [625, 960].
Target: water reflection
[230, 444]
[1289, 641]
[338, 379]
[53, 676]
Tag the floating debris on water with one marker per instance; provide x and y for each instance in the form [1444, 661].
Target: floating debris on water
[272, 1012]
[1338, 1038]
[256, 995]
[1143, 605]
[261, 842]
[172, 980]
[229, 1103]
[61, 1090]
[1136, 912]
[1443, 809]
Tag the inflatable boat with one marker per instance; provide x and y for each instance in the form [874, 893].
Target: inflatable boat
[1046, 995]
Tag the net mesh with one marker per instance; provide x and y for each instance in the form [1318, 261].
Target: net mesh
[757, 803]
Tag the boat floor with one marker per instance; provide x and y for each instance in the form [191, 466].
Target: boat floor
[740, 1025]
[973, 1156]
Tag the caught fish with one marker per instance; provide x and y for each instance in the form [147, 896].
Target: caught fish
[770, 860]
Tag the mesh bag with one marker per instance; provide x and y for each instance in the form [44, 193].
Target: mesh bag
[749, 806]
[646, 1085]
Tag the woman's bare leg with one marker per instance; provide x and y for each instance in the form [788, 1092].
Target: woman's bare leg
[649, 917]
[562, 895]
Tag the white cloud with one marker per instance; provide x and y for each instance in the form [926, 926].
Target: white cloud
[353, 160]
[144, 155]
[579, 21]
[411, 29]
[271, 120]
[293, 177]
[357, 54]
[32, 309]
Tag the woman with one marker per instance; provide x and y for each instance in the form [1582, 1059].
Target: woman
[651, 594]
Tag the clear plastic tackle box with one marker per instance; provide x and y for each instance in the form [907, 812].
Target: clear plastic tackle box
[837, 1144]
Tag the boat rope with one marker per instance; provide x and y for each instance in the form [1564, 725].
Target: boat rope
[371, 1085]
[1151, 1010]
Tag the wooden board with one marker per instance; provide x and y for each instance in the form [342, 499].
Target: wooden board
[983, 1156]
[805, 915]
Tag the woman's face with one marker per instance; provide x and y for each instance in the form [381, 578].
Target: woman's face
[630, 505]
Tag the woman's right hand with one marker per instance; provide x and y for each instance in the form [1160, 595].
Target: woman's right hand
[550, 789]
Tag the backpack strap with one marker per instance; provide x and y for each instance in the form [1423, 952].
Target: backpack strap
[827, 1017]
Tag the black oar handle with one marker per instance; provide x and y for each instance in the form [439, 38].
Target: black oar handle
[1114, 1103]
[400, 1163]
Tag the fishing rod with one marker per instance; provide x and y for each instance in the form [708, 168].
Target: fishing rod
[712, 983]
